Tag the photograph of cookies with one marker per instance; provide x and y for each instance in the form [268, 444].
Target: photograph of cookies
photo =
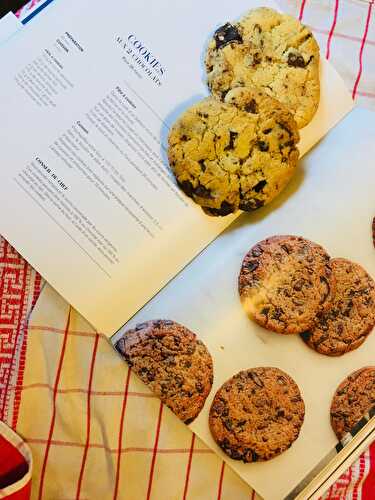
[173, 362]
[271, 51]
[354, 397]
[236, 154]
[284, 282]
[257, 414]
[351, 317]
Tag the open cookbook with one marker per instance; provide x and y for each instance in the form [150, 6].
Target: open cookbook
[88, 97]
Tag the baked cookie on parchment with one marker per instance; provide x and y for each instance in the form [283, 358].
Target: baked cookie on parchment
[271, 51]
[257, 414]
[354, 397]
[237, 154]
[351, 317]
[173, 362]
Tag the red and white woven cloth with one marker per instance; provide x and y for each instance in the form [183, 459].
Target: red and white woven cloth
[71, 371]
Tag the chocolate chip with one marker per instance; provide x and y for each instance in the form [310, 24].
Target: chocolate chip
[265, 311]
[324, 280]
[252, 265]
[223, 94]
[187, 187]
[257, 380]
[232, 138]
[258, 187]
[141, 326]
[199, 387]
[286, 248]
[298, 285]
[296, 60]
[267, 131]
[277, 313]
[258, 28]
[306, 336]
[263, 146]
[227, 34]
[225, 209]
[228, 424]
[256, 251]
[251, 205]
[251, 107]
[184, 137]
[202, 192]
[257, 59]
[280, 413]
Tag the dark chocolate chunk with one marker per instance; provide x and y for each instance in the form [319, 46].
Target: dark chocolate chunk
[259, 186]
[253, 265]
[227, 34]
[257, 380]
[263, 146]
[249, 206]
[203, 166]
[251, 107]
[225, 209]
[202, 192]
[296, 60]
[187, 187]
[232, 138]
[256, 251]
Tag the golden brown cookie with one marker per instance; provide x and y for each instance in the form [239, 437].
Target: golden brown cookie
[351, 317]
[172, 362]
[257, 414]
[285, 281]
[354, 397]
[237, 154]
[271, 51]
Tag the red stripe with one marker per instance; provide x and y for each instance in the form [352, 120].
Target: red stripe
[88, 425]
[151, 477]
[219, 491]
[189, 466]
[171, 451]
[253, 495]
[58, 374]
[361, 49]
[82, 391]
[302, 10]
[126, 392]
[332, 29]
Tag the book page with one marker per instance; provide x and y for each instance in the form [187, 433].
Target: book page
[87, 99]
[330, 202]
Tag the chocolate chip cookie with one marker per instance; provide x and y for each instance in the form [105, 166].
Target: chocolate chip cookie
[237, 154]
[354, 397]
[271, 51]
[285, 281]
[172, 362]
[351, 317]
[257, 414]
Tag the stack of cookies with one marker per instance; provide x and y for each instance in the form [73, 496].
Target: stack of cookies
[289, 284]
[238, 148]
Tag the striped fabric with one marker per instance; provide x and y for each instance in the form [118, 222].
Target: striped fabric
[145, 453]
